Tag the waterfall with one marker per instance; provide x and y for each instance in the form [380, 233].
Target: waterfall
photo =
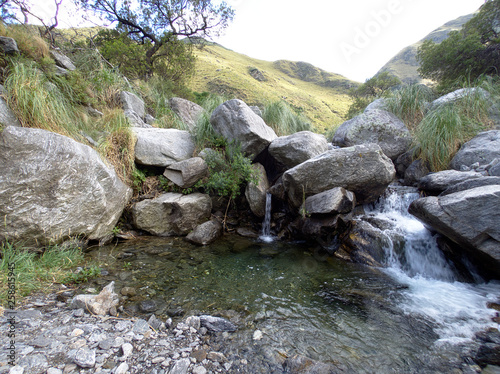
[458, 310]
[266, 224]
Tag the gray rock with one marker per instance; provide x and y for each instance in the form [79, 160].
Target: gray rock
[188, 112]
[162, 147]
[148, 306]
[54, 371]
[471, 183]
[7, 116]
[62, 60]
[294, 149]
[234, 120]
[131, 101]
[127, 349]
[122, 368]
[187, 172]
[206, 233]
[377, 104]
[34, 364]
[97, 304]
[8, 46]
[141, 327]
[85, 357]
[470, 218]
[135, 120]
[378, 127]
[436, 183]
[172, 213]
[483, 148]
[456, 95]
[334, 201]
[362, 169]
[53, 188]
[256, 193]
[302, 365]
[16, 370]
[217, 324]
[257, 110]
[155, 323]
[181, 366]
[416, 171]
[149, 119]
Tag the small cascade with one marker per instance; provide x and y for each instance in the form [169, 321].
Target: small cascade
[266, 224]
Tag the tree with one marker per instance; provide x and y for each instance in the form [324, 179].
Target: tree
[472, 51]
[159, 24]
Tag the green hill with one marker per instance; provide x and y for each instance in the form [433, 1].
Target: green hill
[404, 65]
[319, 95]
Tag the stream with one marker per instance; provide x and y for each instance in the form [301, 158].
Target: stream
[287, 298]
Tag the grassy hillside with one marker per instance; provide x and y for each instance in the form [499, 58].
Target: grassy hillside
[404, 65]
[319, 95]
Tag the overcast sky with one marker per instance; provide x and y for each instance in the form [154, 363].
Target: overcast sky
[354, 38]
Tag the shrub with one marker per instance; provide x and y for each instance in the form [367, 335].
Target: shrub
[283, 119]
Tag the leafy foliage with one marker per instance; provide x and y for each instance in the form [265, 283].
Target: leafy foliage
[472, 51]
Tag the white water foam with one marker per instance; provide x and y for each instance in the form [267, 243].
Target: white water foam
[458, 310]
[266, 224]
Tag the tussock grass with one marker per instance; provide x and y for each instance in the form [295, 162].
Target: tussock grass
[283, 119]
[40, 272]
[410, 103]
[204, 132]
[29, 42]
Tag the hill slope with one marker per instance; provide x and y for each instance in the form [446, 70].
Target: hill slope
[319, 95]
[404, 65]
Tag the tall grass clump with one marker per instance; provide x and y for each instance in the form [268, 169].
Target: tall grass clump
[39, 272]
[37, 102]
[28, 40]
[204, 133]
[409, 103]
[283, 119]
[442, 132]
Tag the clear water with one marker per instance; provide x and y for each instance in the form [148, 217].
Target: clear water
[396, 320]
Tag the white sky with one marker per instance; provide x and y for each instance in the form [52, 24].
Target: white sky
[354, 38]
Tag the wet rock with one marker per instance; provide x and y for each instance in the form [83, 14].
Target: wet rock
[334, 201]
[206, 233]
[378, 127]
[416, 171]
[294, 149]
[148, 306]
[435, 183]
[488, 354]
[217, 324]
[256, 192]
[302, 365]
[128, 291]
[362, 169]
[234, 120]
[85, 358]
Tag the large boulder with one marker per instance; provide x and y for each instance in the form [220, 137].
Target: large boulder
[7, 116]
[256, 192]
[131, 101]
[187, 172]
[8, 45]
[375, 126]
[162, 147]
[334, 201]
[484, 148]
[435, 183]
[206, 233]
[172, 214]
[62, 60]
[457, 95]
[294, 149]
[186, 110]
[470, 218]
[234, 120]
[52, 187]
[362, 169]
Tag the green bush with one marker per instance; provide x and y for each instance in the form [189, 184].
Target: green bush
[283, 119]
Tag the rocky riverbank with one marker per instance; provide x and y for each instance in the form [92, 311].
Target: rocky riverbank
[52, 338]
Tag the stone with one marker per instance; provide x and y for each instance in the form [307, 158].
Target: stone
[62, 60]
[141, 327]
[470, 218]
[127, 349]
[362, 169]
[456, 95]
[194, 322]
[135, 120]
[54, 371]
[155, 323]
[171, 213]
[187, 111]
[436, 183]
[217, 324]
[416, 171]
[162, 147]
[85, 358]
[8, 45]
[16, 370]
[378, 127]
[302, 365]
[206, 233]
[99, 304]
[294, 149]
[187, 172]
[379, 104]
[471, 183]
[483, 148]
[53, 188]
[334, 201]
[255, 193]
[122, 368]
[181, 366]
[257, 335]
[148, 306]
[7, 116]
[234, 120]
[199, 370]
[199, 355]
[131, 101]
[216, 356]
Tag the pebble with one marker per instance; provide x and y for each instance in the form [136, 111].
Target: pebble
[122, 368]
